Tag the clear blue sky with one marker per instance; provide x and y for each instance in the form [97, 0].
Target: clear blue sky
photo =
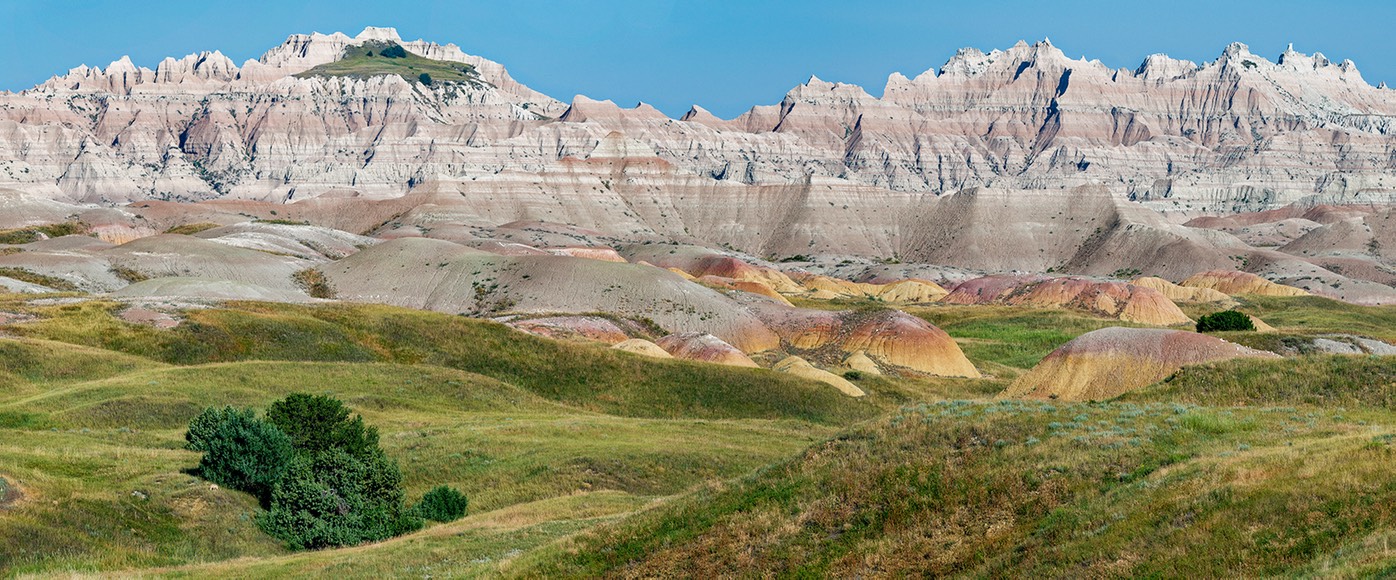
[724, 55]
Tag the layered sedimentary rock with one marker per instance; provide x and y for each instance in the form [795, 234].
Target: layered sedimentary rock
[1238, 132]
[1020, 159]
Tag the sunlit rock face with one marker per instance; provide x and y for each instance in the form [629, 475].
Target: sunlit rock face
[1239, 133]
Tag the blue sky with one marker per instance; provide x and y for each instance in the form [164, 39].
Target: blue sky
[724, 55]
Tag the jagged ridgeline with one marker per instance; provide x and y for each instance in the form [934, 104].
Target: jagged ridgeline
[381, 57]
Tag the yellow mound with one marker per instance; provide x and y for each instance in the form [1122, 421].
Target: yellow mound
[912, 291]
[1178, 293]
[1233, 283]
[801, 368]
[642, 347]
[860, 362]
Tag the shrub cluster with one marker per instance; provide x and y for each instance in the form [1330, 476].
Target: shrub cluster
[319, 473]
[1223, 321]
[393, 51]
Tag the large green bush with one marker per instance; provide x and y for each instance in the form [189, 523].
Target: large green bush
[1223, 321]
[393, 51]
[336, 499]
[317, 423]
[321, 475]
[443, 504]
[240, 451]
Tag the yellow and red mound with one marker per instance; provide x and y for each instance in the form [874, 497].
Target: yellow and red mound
[908, 291]
[758, 288]
[704, 347]
[892, 337]
[900, 339]
[1234, 282]
[1118, 300]
[698, 262]
[1109, 362]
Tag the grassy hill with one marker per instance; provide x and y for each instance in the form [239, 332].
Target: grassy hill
[583, 461]
[93, 411]
[378, 58]
[1029, 489]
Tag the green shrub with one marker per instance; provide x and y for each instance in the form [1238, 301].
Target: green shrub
[443, 504]
[853, 375]
[425, 79]
[317, 423]
[240, 451]
[393, 51]
[1223, 321]
[336, 499]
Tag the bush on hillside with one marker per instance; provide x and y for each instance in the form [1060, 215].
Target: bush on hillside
[425, 79]
[333, 498]
[1223, 321]
[321, 475]
[318, 423]
[240, 451]
[393, 51]
[443, 504]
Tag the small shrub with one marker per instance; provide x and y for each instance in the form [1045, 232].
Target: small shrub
[443, 504]
[853, 375]
[130, 275]
[240, 451]
[314, 283]
[1224, 321]
[425, 79]
[393, 51]
[32, 277]
[191, 229]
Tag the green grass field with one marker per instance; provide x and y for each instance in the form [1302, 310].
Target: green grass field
[583, 461]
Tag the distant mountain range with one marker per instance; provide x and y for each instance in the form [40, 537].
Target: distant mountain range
[1238, 133]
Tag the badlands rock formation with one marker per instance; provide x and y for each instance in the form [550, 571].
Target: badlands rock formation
[1109, 362]
[1234, 283]
[704, 347]
[490, 199]
[1119, 300]
[1241, 131]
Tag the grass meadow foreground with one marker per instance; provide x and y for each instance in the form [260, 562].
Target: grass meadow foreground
[582, 461]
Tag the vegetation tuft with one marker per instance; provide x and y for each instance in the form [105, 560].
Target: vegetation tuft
[1227, 320]
[315, 283]
[36, 233]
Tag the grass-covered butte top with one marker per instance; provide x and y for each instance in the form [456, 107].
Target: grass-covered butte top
[378, 58]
